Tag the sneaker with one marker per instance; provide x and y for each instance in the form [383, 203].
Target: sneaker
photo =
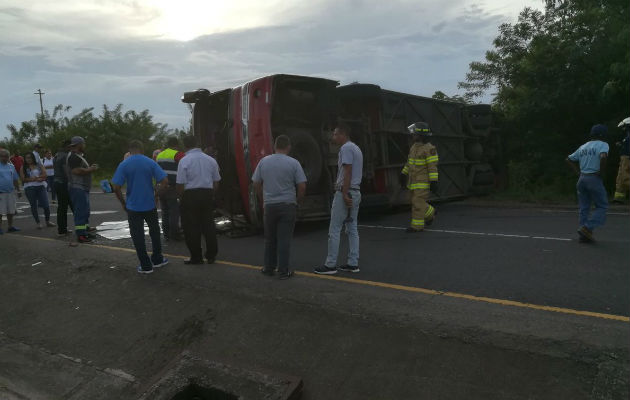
[268, 272]
[91, 229]
[84, 239]
[324, 270]
[586, 233]
[349, 268]
[163, 263]
[143, 270]
[13, 229]
[50, 224]
[285, 275]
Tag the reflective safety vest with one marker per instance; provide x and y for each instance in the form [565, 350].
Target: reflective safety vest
[166, 160]
[421, 166]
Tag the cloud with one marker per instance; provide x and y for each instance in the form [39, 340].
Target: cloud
[87, 53]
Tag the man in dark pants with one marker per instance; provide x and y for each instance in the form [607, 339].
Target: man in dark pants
[138, 171]
[275, 180]
[197, 179]
[168, 159]
[61, 188]
[79, 184]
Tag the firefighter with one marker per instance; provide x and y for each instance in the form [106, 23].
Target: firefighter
[623, 175]
[421, 175]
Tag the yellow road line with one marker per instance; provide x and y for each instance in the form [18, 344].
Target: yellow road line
[393, 286]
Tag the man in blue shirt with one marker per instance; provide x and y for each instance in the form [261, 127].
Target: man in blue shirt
[591, 158]
[8, 187]
[138, 171]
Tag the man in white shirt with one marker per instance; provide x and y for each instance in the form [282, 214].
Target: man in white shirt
[197, 179]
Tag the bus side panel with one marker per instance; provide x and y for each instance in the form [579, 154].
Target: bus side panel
[259, 123]
[240, 147]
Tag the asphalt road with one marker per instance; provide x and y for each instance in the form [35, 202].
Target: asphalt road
[527, 254]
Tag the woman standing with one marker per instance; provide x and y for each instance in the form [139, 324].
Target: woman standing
[33, 177]
[50, 174]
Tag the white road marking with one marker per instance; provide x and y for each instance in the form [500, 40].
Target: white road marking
[505, 235]
[576, 211]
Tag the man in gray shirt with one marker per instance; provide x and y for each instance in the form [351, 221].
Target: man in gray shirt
[345, 206]
[276, 178]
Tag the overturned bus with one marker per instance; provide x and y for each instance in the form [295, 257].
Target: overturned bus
[240, 125]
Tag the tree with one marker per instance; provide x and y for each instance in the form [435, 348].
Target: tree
[555, 73]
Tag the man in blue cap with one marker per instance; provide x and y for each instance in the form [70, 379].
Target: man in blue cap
[591, 158]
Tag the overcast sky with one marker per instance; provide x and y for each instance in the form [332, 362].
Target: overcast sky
[146, 53]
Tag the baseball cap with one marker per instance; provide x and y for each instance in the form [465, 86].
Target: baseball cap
[599, 130]
[76, 140]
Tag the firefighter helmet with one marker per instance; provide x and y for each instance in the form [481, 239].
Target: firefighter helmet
[625, 124]
[420, 128]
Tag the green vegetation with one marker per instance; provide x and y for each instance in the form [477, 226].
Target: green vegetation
[107, 135]
[555, 73]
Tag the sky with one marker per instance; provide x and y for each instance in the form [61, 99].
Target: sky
[146, 53]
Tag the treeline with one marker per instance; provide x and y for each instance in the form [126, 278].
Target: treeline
[553, 74]
[107, 135]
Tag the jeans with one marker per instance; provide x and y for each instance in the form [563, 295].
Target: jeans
[279, 223]
[136, 229]
[81, 201]
[37, 197]
[590, 189]
[50, 180]
[197, 210]
[170, 213]
[62, 207]
[338, 213]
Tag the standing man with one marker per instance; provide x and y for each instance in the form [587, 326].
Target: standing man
[168, 160]
[422, 176]
[79, 184]
[591, 158]
[623, 175]
[36, 149]
[48, 163]
[9, 186]
[17, 161]
[60, 186]
[345, 205]
[197, 179]
[138, 171]
[275, 180]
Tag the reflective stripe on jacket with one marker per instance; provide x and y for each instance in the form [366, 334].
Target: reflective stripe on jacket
[421, 166]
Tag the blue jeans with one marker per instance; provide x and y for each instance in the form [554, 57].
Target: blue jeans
[338, 213]
[37, 197]
[590, 189]
[136, 221]
[81, 201]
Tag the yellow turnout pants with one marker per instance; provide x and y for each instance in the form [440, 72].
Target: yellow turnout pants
[623, 178]
[420, 209]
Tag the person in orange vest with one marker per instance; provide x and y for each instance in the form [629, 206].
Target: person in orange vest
[421, 176]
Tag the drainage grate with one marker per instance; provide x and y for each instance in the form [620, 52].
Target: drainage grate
[195, 392]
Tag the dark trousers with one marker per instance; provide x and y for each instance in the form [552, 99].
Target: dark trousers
[136, 229]
[50, 180]
[62, 206]
[37, 197]
[279, 224]
[197, 209]
[170, 213]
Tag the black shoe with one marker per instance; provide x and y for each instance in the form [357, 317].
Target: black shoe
[428, 222]
[412, 230]
[211, 260]
[349, 268]
[324, 270]
[586, 234]
[91, 229]
[91, 235]
[285, 275]
[188, 261]
[268, 272]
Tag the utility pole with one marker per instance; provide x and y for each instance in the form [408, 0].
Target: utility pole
[40, 120]
[41, 105]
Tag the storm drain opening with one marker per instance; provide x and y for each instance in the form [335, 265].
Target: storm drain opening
[196, 392]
